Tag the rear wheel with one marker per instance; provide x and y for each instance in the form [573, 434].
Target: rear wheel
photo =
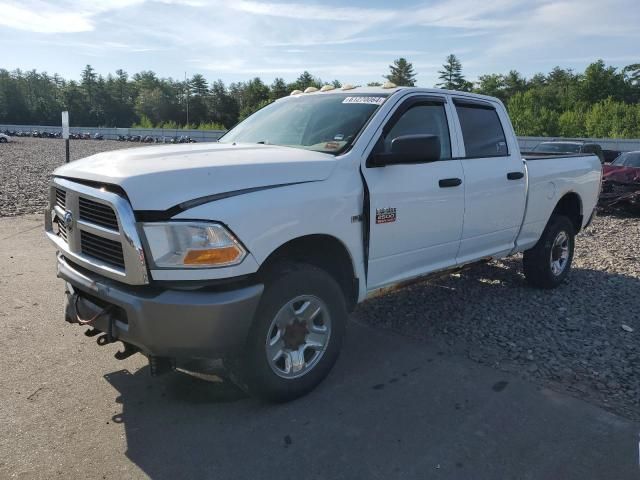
[548, 263]
[296, 335]
[3, 140]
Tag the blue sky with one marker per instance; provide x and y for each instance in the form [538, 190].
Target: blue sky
[350, 41]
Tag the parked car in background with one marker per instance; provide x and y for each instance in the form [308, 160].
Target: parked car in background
[4, 138]
[625, 168]
[627, 162]
[563, 146]
[621, 181]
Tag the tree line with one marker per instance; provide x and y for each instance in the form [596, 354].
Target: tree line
[602, 101]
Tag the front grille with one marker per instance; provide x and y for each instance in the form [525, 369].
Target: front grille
[61, 198]
[101, 232]
[62, 230]
[97, 213]
[102, 248]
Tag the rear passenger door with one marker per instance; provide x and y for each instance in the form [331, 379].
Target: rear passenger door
[494, 180]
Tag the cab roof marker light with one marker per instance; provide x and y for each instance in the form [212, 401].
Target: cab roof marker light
[348, 86]
[310, 90]
[389, 85]
[296, 92]
[326, 88]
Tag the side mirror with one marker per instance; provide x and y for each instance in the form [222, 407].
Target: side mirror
[410, 149]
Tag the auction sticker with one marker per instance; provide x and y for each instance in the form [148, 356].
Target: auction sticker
[365, 100]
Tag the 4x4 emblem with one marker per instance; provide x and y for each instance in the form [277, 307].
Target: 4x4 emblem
[67, 220]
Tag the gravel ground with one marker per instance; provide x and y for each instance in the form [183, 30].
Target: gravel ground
[574, 338]
[25, 165]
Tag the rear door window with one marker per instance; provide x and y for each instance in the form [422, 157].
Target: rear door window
[481, 130]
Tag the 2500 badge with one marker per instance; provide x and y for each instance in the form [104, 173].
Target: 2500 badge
[385, 215]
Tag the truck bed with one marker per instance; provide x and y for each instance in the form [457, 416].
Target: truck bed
[549, 181]
[554, 156]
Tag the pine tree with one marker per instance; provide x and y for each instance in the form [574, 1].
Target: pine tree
[278, 89]
[451, 77]
[89, 77]
[305, 80]
[402, 73]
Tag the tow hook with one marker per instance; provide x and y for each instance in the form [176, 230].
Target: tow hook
[127, 352]
[92, 332]
[105, 339]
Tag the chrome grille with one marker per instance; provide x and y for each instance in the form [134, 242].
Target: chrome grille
[62, 231]
[97, 213]
[61, 197]
[108, 251]
[96, 229]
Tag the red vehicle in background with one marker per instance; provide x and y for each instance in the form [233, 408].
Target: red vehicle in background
[621, 181]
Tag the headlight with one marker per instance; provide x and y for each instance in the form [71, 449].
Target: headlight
[192, 244]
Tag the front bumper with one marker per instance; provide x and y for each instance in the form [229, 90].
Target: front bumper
[166, 323]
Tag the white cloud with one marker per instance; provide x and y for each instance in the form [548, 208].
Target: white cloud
[43, 20]
[552, 27]
[468, 14]
[314, 12]
[355, 40]
[64, 17]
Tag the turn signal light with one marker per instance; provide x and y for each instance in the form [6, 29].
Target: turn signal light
[212, 256]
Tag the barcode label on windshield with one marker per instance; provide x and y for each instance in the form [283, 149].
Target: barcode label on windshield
[365, 100]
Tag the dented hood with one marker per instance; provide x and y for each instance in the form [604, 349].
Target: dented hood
[160, 177]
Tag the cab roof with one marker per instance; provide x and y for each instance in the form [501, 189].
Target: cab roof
[391, 91]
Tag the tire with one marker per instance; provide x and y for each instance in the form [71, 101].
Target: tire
[302, 347]
[548, 263]
[3, 140]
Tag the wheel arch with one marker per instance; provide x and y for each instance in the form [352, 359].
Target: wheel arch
[323, 251]
[570, 205]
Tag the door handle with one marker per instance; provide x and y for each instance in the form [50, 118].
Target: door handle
[449, 182]
[515, 175]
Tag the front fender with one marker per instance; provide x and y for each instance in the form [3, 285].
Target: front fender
[265, 220]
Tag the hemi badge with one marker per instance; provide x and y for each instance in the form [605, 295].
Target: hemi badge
[385, 215]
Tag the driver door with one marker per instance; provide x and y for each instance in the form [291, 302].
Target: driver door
[416, 210]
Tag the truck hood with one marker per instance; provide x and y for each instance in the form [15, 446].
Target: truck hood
[161, 177]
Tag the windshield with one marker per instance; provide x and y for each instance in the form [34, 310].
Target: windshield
[323, 122]
[557, 147]
[629, 159]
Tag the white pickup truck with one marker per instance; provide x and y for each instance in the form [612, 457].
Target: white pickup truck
[254, 249]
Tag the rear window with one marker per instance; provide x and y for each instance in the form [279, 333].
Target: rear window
[557, 147]
[482, 131]
[631, 159]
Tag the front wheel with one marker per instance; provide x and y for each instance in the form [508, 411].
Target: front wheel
[548, 263]
[3, 140]
[296, 335]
